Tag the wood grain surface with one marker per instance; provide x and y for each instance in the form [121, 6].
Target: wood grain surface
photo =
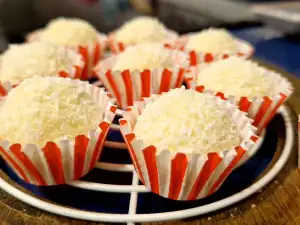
[278, 203]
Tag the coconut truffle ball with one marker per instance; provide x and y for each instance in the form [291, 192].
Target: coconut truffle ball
[144, 56]
[36, 59]
[69, 32]
[213, 40]
[141, 29]
[238, 77]
[43, 109]
[186, 121]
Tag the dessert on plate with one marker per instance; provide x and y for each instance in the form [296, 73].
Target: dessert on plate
[53, 129]
[139, 30]
[257, 90]
[213, 44]
[69, 32]
[26, 60]
[184, 143]
[144, 56]
[142, 70]
[213, 40]
[76, 34]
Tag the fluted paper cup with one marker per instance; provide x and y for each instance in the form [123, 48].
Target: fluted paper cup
[128, 86]
[5, 87]
[245, 50]
[65, 160]
[117, 47]
[74, 71]
[185, 176]
[91, 54]
[260, 109]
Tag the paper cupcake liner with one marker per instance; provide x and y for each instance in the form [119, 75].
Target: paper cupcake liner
[128, 86]
[246, 50]
[91, 54]
[117, 47]
[75, 72]
[260, 109]
[65, 160]
[5, 88]
[183, 176]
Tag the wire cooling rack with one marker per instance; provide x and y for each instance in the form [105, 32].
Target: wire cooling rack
[133, 189]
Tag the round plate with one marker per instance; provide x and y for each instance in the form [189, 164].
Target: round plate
[113, 187]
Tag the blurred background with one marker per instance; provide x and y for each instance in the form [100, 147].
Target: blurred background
[17, 17]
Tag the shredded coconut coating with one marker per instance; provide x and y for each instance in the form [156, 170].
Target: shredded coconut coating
[43, 109]
[35, 59]
[186, 121]
[238, 77]
[213, 40]
[140, 30]
[69, 32]
[144, 56]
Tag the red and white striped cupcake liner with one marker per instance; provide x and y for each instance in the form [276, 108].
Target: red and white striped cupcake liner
[183, 176]
[262, 109]
[91, 54]
[5, 88]
[66, 160]
[117, 47]
[128, 86]
[246, 50]
[74, 72]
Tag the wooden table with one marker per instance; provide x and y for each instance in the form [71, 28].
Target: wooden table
[278, 203]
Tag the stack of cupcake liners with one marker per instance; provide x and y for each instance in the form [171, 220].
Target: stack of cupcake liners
[65, 160]
[91, 54]
[186, 176]
[132, 85]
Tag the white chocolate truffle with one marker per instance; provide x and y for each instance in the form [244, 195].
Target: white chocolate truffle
[213, 40]
[43, 109]
[36, 59]
[141, 29]
[144, 56]
[69, 32]
[186, 121]
[238, 77]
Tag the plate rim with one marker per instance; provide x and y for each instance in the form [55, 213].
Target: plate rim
[180, 214]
